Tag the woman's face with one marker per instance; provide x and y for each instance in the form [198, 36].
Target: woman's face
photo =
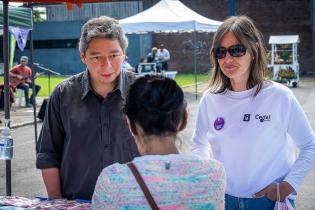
[237, 69]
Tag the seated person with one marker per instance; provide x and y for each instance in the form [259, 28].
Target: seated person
[156, 112]
[21, 75]
[151, 57]
[125, 66]
[142, 60]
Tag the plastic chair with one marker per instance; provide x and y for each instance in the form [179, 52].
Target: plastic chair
[20, 92]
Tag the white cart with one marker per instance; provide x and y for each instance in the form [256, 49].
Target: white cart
[284, 59]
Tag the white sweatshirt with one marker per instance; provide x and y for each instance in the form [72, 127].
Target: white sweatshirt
[257, 143]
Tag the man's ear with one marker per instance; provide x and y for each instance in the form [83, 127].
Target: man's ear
[183, 122]
[82, 56]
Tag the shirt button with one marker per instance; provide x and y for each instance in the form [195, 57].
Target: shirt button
[106, 146]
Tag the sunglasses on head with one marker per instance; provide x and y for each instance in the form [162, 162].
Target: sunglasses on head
[237, 50]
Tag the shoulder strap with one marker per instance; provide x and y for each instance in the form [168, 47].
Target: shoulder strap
[143, 186]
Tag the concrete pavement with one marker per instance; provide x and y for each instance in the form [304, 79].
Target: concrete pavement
[21, 116]
[27, 180]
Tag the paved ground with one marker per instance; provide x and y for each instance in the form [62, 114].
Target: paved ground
[26, 180]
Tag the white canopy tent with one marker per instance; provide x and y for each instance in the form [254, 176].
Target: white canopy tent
[170, 16]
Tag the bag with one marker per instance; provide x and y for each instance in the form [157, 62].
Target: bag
[143, 186]
[12, 97]
[285, 205]
[42, 110]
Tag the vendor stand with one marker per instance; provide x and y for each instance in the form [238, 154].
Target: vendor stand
[284, 59]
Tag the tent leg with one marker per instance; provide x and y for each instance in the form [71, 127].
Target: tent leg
[33, 82]
[6, 84]
[195, 62]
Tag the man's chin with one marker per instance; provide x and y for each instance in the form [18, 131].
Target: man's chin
[108, 80]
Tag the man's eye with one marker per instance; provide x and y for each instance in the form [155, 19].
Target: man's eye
[113, 56]
[96, 58]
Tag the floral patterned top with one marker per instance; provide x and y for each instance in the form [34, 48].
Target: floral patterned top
[175, 182]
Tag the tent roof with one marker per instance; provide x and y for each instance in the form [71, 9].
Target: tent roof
[59, 1]
[18, 16]
[166, 16]
[290, 39]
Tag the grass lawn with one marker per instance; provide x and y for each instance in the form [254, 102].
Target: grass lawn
[181, 79]
[189, 78]
[43, 82]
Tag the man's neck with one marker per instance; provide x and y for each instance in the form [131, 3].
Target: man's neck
[102, 89]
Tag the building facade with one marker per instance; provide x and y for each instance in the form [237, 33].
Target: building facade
[272, 17]
[55, 41]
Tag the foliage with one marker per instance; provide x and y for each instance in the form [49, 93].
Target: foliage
[283, 54]
[286, 73]
[37, 16]
[269, 72]
[268, 56]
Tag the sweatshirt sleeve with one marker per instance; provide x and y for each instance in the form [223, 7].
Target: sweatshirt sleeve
[301, 132]
[200, 144]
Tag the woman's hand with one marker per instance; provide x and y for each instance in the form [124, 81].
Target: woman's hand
[270, 191]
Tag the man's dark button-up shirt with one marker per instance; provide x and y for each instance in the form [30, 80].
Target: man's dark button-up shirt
[84, 132]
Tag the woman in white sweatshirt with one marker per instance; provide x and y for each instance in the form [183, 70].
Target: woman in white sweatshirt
[253, 125]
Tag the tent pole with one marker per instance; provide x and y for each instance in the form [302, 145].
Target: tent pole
[33, 83]
[33, 79]
[195, 62]
[232, 8]
[6, 84]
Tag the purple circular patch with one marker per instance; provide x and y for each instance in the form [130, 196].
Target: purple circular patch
[218, 123]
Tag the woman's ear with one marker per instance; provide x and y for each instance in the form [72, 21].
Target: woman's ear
[183, 122]
[132, 129]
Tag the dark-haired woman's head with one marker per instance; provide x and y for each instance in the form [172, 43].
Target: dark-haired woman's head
[155, 107]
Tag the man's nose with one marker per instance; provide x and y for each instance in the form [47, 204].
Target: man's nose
[106, 62]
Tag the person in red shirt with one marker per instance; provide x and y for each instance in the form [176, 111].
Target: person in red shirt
[20, 76]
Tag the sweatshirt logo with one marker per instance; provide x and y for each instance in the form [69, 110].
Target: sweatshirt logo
[262, 118]
[218, 123]
[246, 118]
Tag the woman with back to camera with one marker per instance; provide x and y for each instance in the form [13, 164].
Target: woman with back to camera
[250, 122]
[156, 111]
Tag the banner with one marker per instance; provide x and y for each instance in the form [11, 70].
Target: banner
[12, 50]
[20, 35]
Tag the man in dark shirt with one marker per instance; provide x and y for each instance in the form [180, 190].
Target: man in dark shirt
[84, 129]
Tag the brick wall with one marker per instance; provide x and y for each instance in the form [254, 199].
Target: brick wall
[272, 17]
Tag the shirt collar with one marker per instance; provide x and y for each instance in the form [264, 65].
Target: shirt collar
[86, 85]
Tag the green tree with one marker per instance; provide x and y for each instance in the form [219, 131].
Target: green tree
[37, 16]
